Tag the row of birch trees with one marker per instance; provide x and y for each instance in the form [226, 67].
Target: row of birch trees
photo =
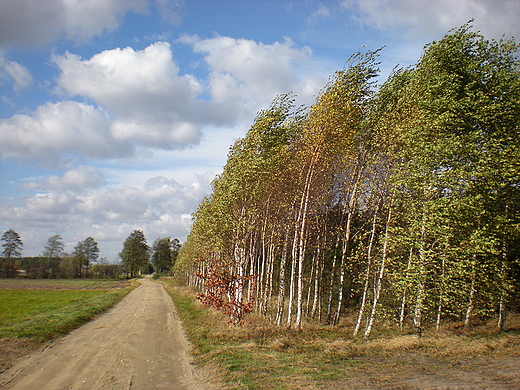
[393, 203]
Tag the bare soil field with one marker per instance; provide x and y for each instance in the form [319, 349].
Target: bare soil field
[62, 284]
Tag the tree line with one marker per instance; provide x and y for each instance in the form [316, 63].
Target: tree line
[136, 257]
[396, 203]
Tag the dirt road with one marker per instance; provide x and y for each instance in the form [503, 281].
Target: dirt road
[136, 345]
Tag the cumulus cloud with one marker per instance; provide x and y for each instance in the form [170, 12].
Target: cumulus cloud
[135, 99]
[77, 180]
[160, 207]
[433, 18]
[56, 129]
[142, 90]
[35, 23]
[245, 75]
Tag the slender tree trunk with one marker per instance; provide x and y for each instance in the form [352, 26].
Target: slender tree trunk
[417, 318]
[441, 295]
[302, 249]
[471, 295]
[403, 299]
[502, 314]
[252, 265]
[346, 242]
[317, 280]
[313, 277]
[294, 260]
[331, 281]
[342, 270]
[367, 272]
[502, 308]
[270, 277]
[238, 296]
[262, 283]
[379, 280]
[281, 283]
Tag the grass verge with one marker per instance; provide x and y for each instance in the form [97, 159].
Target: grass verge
[41, 315]
[35, 311]
[262, 356]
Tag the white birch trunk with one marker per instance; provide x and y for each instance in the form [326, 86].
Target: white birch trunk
[379, 280]
[367, 273]
[417, 318]
[403, 299]
[441, 295]
[471, 296]
[331, 282]
[281, 284]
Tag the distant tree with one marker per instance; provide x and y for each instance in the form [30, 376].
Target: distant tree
[135, 253]
[104, 269]
[176, 247]
[51, 251]
[54, 247]
[68, 266]
[85, 253]
[12, 248]
[165, 252]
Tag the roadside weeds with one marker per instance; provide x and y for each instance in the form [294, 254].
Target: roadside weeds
[260, 355]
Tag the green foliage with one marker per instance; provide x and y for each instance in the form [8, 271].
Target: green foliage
[85, 253]
[404, 198]
[12, 244]
[135, 253]
[165, 251]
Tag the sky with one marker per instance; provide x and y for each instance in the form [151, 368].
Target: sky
[116, 115]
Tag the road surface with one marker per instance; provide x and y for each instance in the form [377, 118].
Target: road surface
[138, 345]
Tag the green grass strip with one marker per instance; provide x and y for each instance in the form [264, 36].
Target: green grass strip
[41, 315]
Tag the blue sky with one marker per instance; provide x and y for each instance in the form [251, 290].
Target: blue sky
[116, 115]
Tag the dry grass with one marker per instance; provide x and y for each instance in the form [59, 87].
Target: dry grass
[259, 355]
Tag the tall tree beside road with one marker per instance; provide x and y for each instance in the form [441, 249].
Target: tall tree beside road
[12, 248]
[135, 253]
[399, 203]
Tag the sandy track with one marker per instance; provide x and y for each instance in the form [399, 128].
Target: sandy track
[138, 344]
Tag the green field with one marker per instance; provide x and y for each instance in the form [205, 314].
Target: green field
[40, 310]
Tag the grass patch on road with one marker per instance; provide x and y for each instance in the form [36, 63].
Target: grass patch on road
[259, 355]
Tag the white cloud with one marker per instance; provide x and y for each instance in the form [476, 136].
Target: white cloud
[245, 75]
[35, 23]
[129, 83]
[142, 90]
[55, 130]
[433, 18]
[77, 180]
[139, 99]
[321, 12]
[16, 73]
[160, 207]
